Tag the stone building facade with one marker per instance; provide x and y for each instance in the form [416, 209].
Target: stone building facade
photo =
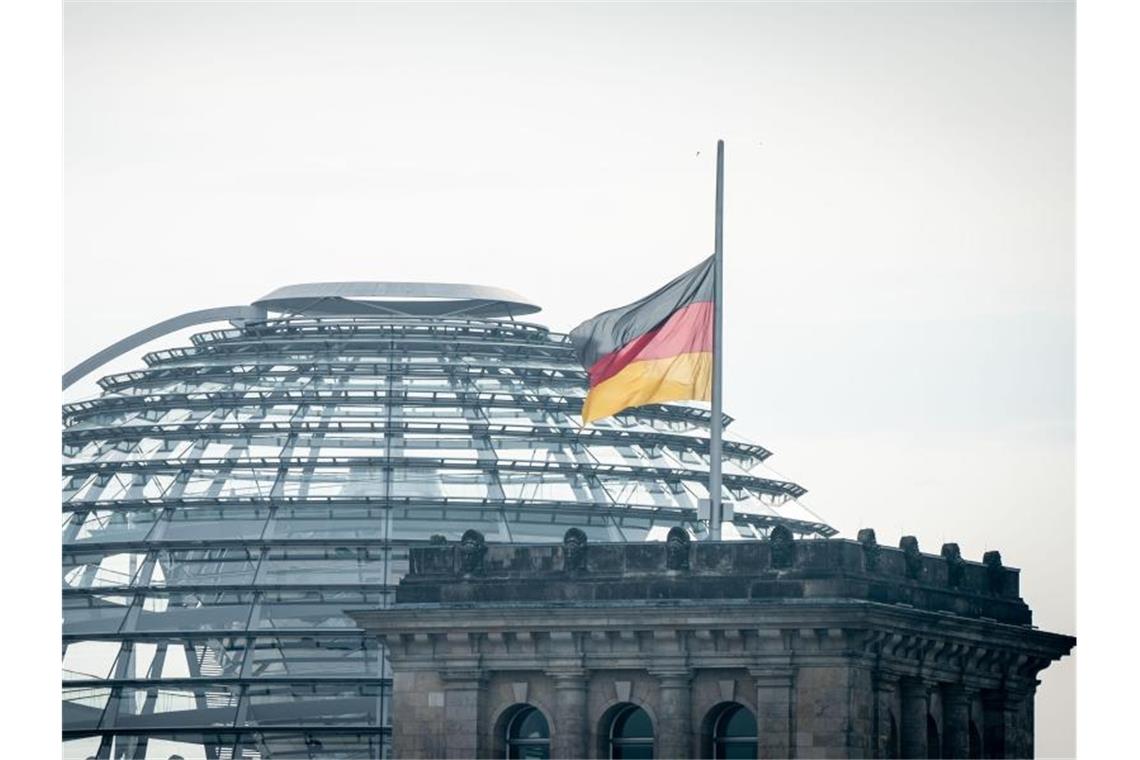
[777, 648]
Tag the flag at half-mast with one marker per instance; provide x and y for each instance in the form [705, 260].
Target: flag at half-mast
[654, 350]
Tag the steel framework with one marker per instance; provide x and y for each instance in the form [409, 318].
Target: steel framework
[224, 506]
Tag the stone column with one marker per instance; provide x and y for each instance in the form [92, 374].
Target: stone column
[674, 729]
[571, 731]
[774, 711]
[915, 707]
[462, 692]
[955, 721]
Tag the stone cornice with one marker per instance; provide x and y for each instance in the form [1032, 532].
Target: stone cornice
[898, 642]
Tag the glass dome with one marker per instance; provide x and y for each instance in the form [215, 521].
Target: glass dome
[223, 507]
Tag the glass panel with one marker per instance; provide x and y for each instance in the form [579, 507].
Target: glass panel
[207, 567]
[170, 706]
[528, 735]
[738, 722]
[530, 724]
[329, 565]
[633, 751]
[94, 613]
[315, 609]
[182, 658]
[739, 750]
[80, 749]
[524, 751]
[332, 521]
[634, 723]
[158, 747]
[321, 704]
[420, 522]
[116, 524]
[302, 744]
[206, 483]
[194, 611]
[222, 522]
[539, 526]
[632, 734]
[98, 569]
[280, 657]
[90, 659]
[83, 706]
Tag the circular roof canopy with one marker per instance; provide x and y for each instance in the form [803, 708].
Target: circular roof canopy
[416, 299]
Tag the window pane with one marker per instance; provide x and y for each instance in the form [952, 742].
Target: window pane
[633, 724]
[530, 725]
[737, 722]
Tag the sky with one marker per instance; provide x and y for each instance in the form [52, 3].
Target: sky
[898, 214]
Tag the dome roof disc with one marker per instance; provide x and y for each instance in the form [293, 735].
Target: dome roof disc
[413, 299]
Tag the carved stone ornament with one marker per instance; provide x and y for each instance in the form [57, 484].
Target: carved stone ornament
[472, 549]
[783, 547]
[574, 551]
[866, 537]
[677, 549]
[994, 574]
[911, 556]
[955, 565]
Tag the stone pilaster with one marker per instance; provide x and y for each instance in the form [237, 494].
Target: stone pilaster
[570, 725]
[774, 710]
[1008, 722]
[462, 692]
[674, 714]
[886, 743]
[915, 708]
[955, 721]
[1026, 733]
[1004, 731]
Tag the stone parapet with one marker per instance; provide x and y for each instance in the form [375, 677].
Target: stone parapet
[805, 569]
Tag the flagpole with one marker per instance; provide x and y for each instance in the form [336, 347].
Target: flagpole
[716, 513]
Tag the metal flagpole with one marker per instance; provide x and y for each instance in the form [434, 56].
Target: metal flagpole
[716, 513]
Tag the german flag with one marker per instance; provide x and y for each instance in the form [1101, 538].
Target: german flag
[654, 350]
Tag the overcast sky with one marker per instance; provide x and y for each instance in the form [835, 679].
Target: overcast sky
[898, 234]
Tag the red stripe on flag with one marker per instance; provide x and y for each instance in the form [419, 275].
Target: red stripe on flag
[688, 330]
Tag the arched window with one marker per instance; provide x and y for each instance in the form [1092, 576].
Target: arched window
[527, 734]
[630, 734]
[734, 733]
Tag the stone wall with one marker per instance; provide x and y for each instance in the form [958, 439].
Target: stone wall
[837, 648]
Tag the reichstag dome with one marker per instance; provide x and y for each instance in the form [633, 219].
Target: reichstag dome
[225, 504]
